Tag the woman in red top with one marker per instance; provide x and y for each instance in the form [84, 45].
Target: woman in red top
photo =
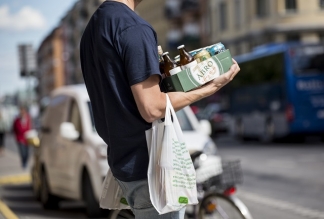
[21, 125]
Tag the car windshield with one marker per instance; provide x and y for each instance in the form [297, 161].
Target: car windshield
[181, 115]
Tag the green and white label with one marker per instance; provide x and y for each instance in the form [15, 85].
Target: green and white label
[183, 200]
[123, 201]
[204, 72]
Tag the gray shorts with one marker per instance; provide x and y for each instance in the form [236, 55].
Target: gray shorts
[138, 197]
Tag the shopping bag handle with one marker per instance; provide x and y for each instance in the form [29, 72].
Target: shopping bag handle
[173, 116]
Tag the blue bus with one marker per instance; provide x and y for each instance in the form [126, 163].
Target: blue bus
[279, 92]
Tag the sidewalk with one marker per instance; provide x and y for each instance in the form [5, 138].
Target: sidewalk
[11, 173]
[10, 165]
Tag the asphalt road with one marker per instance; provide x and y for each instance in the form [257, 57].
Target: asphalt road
[281, 181]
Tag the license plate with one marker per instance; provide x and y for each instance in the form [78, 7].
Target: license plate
[212, 166]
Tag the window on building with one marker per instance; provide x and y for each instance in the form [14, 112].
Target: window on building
[261, 8]
[293, 37]
[291, 5]
[172, 9]
[321, 37]
[321, 3]
[223, 15]
[238, 13]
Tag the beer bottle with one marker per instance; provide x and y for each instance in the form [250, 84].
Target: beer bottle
[170, 67]
[161, 61]
[186, 60]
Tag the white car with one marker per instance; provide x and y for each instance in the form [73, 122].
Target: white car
[71, 161]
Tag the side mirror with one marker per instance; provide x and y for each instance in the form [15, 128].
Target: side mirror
[205, 127]
[68, 131]
[32, 138]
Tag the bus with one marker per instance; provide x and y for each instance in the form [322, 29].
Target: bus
[279, 92]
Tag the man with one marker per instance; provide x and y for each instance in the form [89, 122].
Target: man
[120, 67]
[21, 125]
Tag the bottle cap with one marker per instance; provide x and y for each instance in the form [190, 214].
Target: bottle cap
[180, 47]
[166, 53]
[160, 51]
[189, 65]
[175, 70]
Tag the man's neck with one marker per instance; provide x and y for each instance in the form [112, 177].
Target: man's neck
[130, 3]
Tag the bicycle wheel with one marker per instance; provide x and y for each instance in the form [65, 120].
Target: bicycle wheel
[215, 206]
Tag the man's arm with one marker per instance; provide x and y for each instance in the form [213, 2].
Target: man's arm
[151, 102]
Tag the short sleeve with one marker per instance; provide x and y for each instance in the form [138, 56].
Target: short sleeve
[138, 50]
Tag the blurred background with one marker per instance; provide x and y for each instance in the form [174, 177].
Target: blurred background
[271, 116]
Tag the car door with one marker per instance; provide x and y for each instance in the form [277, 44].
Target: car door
[71, 152]
[50, 140]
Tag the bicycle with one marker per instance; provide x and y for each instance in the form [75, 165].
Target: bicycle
[217, 198]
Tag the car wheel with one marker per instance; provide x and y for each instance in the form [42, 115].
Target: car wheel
[92, 204]
[36, 183]
[48, 200]
[239, 131]
[268, 135]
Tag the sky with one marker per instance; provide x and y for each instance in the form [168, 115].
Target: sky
[24, 22]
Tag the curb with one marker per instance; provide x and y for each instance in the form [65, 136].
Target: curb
[15, 179]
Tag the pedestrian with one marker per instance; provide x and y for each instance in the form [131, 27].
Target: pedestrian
[3, 129]
[21, 125]
[120, 66]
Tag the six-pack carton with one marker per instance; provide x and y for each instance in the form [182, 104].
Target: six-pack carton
[198, 75]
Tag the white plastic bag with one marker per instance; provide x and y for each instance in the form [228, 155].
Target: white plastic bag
[171, 174]
[112, 194]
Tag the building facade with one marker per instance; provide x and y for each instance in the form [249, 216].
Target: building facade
[153, 12]
[50, 63]
[244, 24]
[73, 25]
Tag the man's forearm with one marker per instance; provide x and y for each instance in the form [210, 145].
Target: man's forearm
[180, 100]
[151, 102]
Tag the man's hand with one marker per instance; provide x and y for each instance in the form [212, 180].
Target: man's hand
[219, 82]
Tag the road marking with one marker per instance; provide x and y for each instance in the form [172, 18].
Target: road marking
[282, 205]
[6, 212]
[15, 179]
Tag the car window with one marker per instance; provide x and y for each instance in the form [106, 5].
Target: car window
[74, 116]
[184, 121]
[55, 113]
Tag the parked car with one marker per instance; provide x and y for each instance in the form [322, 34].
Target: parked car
[71, 160]
[217, 116]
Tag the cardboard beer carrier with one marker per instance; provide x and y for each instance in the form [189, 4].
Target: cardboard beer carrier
[198, 75]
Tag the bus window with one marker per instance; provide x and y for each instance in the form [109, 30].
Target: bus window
[261, 70]
[308, 60]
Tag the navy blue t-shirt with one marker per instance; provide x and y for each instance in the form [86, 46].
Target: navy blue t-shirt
[119, 49]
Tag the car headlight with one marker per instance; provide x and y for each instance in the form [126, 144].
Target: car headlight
[210, 148]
